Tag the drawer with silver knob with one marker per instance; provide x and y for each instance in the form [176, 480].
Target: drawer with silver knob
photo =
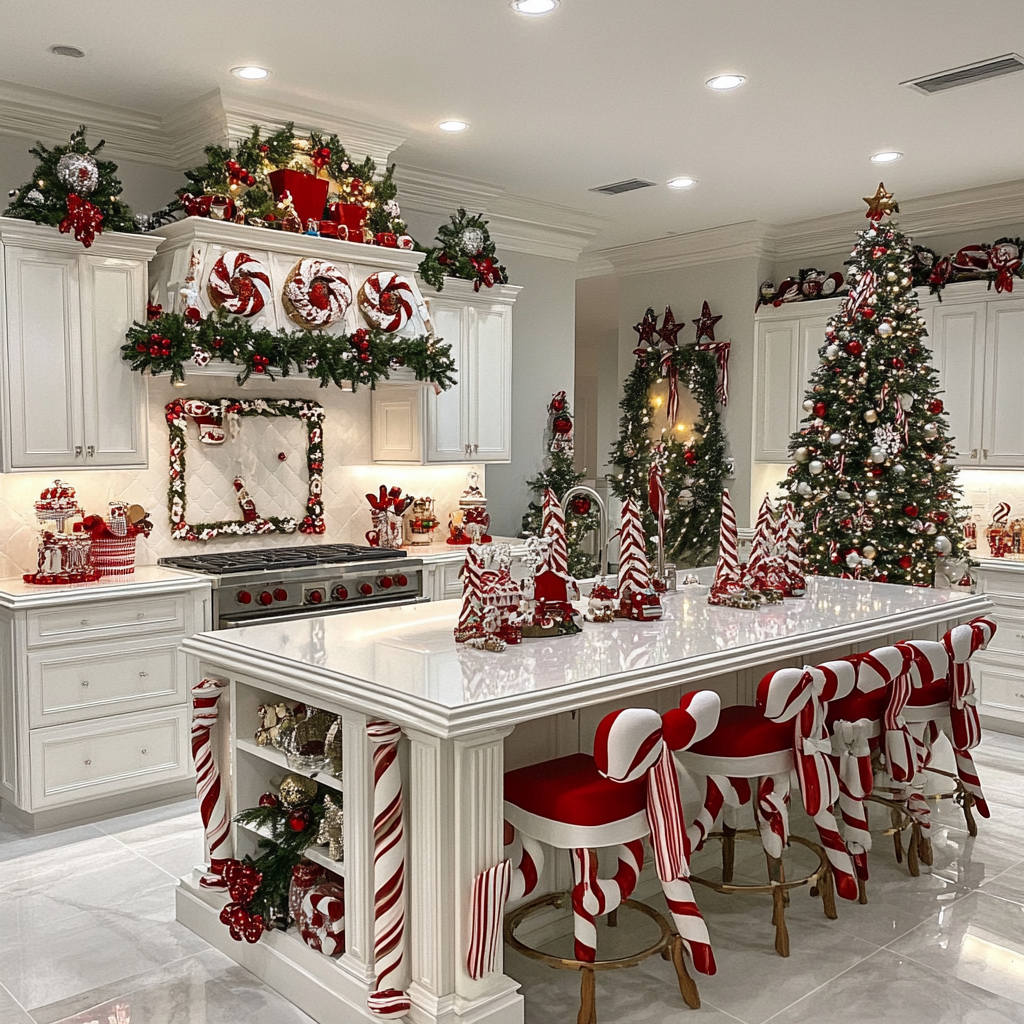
[97, 620]
[104, 679]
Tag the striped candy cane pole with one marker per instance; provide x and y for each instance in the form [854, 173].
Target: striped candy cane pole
[728, 566]
[761, 547]
[527, 858]
[213, 805]
[592, 897]
[771, 811]
[634, 569]
[553, 526]
[851, 744]
[388, 872]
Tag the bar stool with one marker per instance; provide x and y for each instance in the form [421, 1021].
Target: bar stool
[869, 722]
[945, 702]
[626, 791]
[783, 736]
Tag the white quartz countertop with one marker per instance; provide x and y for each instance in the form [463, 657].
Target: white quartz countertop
[147, 579]
[433, 554]
[402, 663]
[1003, 564]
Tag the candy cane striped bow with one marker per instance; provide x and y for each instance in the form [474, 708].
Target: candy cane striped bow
[960, 643]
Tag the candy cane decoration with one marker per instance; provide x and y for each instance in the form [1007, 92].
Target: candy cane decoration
[490, 891]
[593, 897]
[213, 806]
[656, 498]
[792, 551]
[634, 570]
[388, 872]
[470, 623]
[721, 351]
[771, 812]
[727, 569]
[761, 548]
[553, 526]
[851, 743]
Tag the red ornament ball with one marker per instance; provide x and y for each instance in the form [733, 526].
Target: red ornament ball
[868, 313]
[878, 251]
[557, 404]
[690, 457]
[820, 408]
[298, 821]
[935, 406]
[580, 505]
[854, 348]
[877, 470]
[906, 561]
[562, 425]
[911, 510]
[897, 363]
[268, 800]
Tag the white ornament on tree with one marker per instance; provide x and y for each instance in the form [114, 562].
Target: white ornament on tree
[815, 467]
[943, 545]
[801, 455]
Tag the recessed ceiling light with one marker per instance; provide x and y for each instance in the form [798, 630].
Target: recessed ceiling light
[722, 83]
[250, 73]
[886, 158]
[453, 126]
[60, 50]
[534, 6]
[682, 182]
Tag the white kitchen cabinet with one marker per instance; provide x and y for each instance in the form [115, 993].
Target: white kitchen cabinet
[68, 400]
[471, 422]
[998, 670]
[977, 342]
[95, 693]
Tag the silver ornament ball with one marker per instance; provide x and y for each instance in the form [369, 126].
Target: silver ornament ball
[853, 559]
[471, 241]
[877, 455]
[835, 439]
[35, 198]
[885, 329]
[871, 496]
[808, 405]
[942, 544]
[78, 172]
[831, 351]
[801, 455]
[815, 467]
[899, 469]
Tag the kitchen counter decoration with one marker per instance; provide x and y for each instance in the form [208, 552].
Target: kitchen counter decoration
[113, 538]
[635, 597]
[168, 342]
[386, 510]
[806, 286]
[469, 522]
[210, 415]
[466, 251]
[421, 522]
[694, 456]
[1005, 536]
[305, 183]
[73, 191]
[65, 547]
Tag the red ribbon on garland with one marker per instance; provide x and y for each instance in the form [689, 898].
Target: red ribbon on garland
[83, 218]
[487, 272]
[670, 370]
[1004, 260]
[721, 351]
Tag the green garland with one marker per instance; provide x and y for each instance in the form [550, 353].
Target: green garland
[257, 154]
[169, 341]
[691, 521]
[466, 251]
[278, 854]
[44, 198]
[311, 414]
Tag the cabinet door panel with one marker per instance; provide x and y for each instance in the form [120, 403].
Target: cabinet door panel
[777, 398]
[492, 365]
[957, 341]
[1003, 409]
[42, 394]
[447, 413]
[113, 293]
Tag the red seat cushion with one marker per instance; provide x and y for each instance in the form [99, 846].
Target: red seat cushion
[859, 705]
[570, 789]
[936, 692]
[744, 731]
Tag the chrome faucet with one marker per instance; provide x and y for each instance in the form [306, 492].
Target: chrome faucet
[602, 524]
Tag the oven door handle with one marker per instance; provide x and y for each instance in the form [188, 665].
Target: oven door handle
[230, 621]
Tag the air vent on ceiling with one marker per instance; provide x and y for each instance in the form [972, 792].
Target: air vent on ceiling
[1007, 64]
[623, 186]
[66, 51]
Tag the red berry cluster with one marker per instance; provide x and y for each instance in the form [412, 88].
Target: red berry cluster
[260, 364]
[243, 883]
[158, 346]
[237, 173]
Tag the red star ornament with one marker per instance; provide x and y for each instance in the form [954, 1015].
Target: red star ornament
[669, 330]
[647, 327]
[706, 323]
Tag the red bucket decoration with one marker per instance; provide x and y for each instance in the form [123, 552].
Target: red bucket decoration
[352, 215]
[309, 193]
[114, 556]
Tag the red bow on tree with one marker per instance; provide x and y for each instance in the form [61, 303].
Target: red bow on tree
[1005, 260]
[487, 272]
[83, 218]
[321, 157]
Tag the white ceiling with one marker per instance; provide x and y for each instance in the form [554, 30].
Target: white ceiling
[595, 93]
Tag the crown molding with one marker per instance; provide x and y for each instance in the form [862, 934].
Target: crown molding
[748, 239]
[516, 223]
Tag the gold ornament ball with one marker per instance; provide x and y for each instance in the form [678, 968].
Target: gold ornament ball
[870, 416]
[869, 551]
[297, 791]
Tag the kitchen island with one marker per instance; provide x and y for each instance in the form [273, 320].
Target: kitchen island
[466, 716]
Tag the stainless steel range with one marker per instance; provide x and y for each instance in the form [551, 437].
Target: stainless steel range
[274, 584]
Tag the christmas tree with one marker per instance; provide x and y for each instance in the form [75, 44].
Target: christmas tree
[73, 191]
[561, 476]
[873, 477]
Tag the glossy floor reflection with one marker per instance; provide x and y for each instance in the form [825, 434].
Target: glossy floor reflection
[88, 936]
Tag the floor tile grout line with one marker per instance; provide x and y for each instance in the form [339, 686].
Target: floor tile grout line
[136, 853]
[14, 998]
[945, 975]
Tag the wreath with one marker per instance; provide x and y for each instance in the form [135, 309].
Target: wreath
[694, 469]
[310, 413]
[170, 340]
[240, 172]
[466, 251]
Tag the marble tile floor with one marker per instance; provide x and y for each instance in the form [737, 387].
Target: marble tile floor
[88, 936]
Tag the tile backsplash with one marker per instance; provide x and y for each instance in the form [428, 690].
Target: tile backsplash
[279, 487]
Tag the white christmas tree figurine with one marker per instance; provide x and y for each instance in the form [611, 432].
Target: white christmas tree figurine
[471, 614]
[637, 599]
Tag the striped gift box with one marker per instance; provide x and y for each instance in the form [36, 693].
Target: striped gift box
[114, 556]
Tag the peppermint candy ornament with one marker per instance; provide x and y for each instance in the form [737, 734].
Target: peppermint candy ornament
[386, 301]
[322, 923]
[239, 284]
[316, 294]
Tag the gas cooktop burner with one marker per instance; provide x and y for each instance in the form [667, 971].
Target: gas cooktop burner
[227, 562]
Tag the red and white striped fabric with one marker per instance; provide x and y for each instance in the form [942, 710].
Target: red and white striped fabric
[593, 897]
[553, 527]
[634, 569]
[213, 804]
[961, 642]
[114, 556]
[389, 999]
[720, 794]
[490, 893]
[800, 696]
[771, 812]
[656, 488]
[761, 546]
[851, 744]
[527, 859]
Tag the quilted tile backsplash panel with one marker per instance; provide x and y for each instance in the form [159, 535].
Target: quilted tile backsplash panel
[279, 487]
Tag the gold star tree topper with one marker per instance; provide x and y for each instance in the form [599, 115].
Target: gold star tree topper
[881, 204]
